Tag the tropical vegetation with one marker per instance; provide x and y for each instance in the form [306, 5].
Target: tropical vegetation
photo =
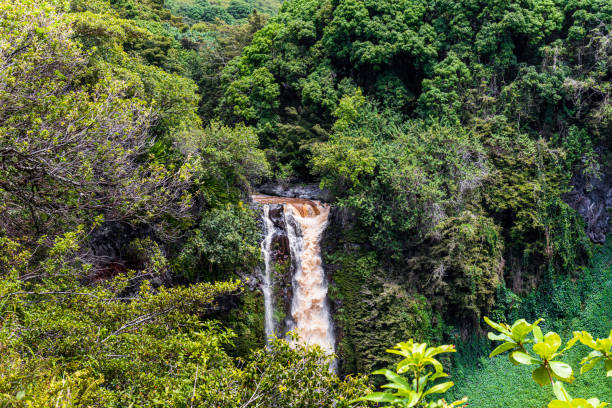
[465, 147]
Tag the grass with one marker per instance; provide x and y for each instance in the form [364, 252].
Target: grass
[497, 383]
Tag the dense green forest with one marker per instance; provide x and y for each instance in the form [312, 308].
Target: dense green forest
[465, 148]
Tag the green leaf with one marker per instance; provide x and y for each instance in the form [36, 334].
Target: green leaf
[399, 382]
[437, 365]
[595, 353]
[439, 388]
[459, 402]
[553, 339]
[608, 368]
[498, 337]
[596, 403]
[520, 329]
[562, 370]
[559, 404]
[537, 334]
[592, 355]
[413, 399]
[540, 375]
[438, 374]
[502, 348]
[377, 397]
[496, 326]
[586, 338]
[560, 392]
[512, 360]
[589, 365]
[422, 381]
[569, 344]
[405, 365]
[20, 395]
[391, 376]
[524, 358]
[445, 348]
[544, 350]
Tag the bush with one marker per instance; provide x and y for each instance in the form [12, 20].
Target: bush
[225, 243]
[545, 354]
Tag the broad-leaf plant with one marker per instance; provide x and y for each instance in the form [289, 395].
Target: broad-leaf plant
[419, 385]
[526, 344]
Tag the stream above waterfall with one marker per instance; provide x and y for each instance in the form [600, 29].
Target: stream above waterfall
[301, 224]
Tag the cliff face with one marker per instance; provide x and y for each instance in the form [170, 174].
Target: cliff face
[109, 242]
[592, 198]
[306, 191]
[283, 268]
[332, 241]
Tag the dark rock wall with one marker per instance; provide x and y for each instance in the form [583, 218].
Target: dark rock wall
[592, 198]
[284, 267]
[307, 191]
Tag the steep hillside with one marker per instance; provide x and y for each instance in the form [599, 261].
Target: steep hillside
[430, 163]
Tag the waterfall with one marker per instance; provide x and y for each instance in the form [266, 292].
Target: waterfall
[309, 307]
[266, 249]
[304, 223]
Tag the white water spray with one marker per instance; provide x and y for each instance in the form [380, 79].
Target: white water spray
[266, 249]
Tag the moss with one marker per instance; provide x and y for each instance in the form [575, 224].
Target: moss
[374, 312]
[460, 267]
[354, 269]
[282, 290]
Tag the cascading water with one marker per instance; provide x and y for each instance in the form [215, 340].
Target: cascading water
[305, 222]
[266, 249]
[309, 308]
